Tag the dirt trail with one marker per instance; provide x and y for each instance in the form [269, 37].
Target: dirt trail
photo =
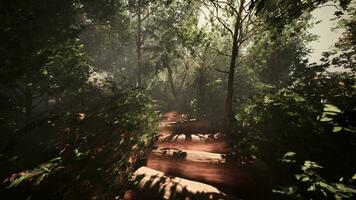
[192, 162]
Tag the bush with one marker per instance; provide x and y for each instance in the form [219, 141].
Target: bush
[95, 149]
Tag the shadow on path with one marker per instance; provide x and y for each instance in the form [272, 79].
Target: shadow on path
[192, 161]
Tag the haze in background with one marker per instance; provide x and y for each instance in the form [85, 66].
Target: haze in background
[327, 37]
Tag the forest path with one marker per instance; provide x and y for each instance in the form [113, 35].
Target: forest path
[190, 161]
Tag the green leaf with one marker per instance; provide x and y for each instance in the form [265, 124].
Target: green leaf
[331, 108]
[337, 129]
[289, 154]
[329, 113]
[311, 188]
[344, 188]
[44, 72]
[354, 177]
[298, 176]
[17, 181]
[326, 119]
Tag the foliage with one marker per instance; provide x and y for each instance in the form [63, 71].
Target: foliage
[36, 175]
[339, 120]
[95, 147]
[31, 29]
[310, 116]
[288, 121]
[317, 184]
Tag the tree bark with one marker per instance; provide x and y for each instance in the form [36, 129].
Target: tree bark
[201, 93]
[139, 43]
[170, 78]
[230, 83]
[230, 87]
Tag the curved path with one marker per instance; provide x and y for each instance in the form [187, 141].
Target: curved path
[191, 162]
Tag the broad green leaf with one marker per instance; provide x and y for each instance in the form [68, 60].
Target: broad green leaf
[331, 108]
[329, 113]
[326, 119]
[289, 154]
[344, 188]
[337, 129]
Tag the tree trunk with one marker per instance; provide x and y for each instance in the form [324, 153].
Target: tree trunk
[139, 43]
[201, 93]
[170, 78]
[230, 89]
[230, 83]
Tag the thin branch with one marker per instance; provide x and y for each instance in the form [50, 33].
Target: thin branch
[335, 6]
[148, 14]
[222, 22]
[252, 34]
[224, 25]
[239, 20]
[248, 4]
[216, 6]
[232, 7]
[250, 12]
[220, 52]
[241, 60]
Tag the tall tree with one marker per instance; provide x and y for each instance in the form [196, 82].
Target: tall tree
[244, 20]
[239, 21]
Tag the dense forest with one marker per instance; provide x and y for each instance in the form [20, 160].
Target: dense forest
[88, 89]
